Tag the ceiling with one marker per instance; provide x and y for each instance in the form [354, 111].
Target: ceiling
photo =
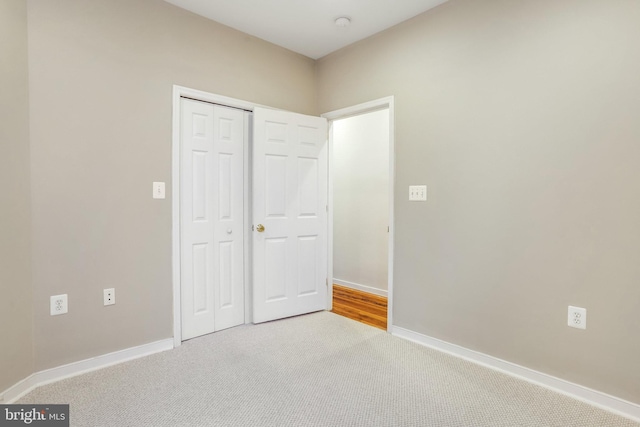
[307, 26]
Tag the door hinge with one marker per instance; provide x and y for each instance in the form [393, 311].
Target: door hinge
[326, 282]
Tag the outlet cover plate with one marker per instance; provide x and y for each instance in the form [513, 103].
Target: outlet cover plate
[59, 304]
[109, 296]
[577, 317]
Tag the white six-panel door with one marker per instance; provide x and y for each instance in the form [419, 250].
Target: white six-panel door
[290, 202]
[211, 205]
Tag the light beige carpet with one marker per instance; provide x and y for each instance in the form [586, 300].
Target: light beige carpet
[314, 370]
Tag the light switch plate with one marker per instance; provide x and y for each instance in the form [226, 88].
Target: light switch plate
[417, 193]
[158, 190]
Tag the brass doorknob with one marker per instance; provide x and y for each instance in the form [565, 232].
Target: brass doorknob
[260, 228]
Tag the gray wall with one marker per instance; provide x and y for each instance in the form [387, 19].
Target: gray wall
[101, 76]
[16, 354]
[522, 117]
[360, 166]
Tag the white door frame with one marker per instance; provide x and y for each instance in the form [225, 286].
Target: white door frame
[180, 92]
[378, 104]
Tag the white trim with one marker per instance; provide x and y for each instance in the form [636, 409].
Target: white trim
[362, 288]
[356, 110]
[248, 219]
[175, 216]
[329, 214]
[47, 376]
[226, 101]
[366, 107]
[392, 221]
[596, 398]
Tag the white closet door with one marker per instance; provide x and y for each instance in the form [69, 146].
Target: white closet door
[289, 201]
[228, 234]
[211, 189]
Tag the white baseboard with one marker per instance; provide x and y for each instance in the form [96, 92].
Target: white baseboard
[359, 287]
[593, 397]
[47, 376]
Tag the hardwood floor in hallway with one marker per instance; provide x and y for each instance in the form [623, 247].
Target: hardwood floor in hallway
[361, 306]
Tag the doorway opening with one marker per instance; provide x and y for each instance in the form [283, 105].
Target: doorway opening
[361, 189]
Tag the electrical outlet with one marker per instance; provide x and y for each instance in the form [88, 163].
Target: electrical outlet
[59, 304]
[577, 317]
[109, 296]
